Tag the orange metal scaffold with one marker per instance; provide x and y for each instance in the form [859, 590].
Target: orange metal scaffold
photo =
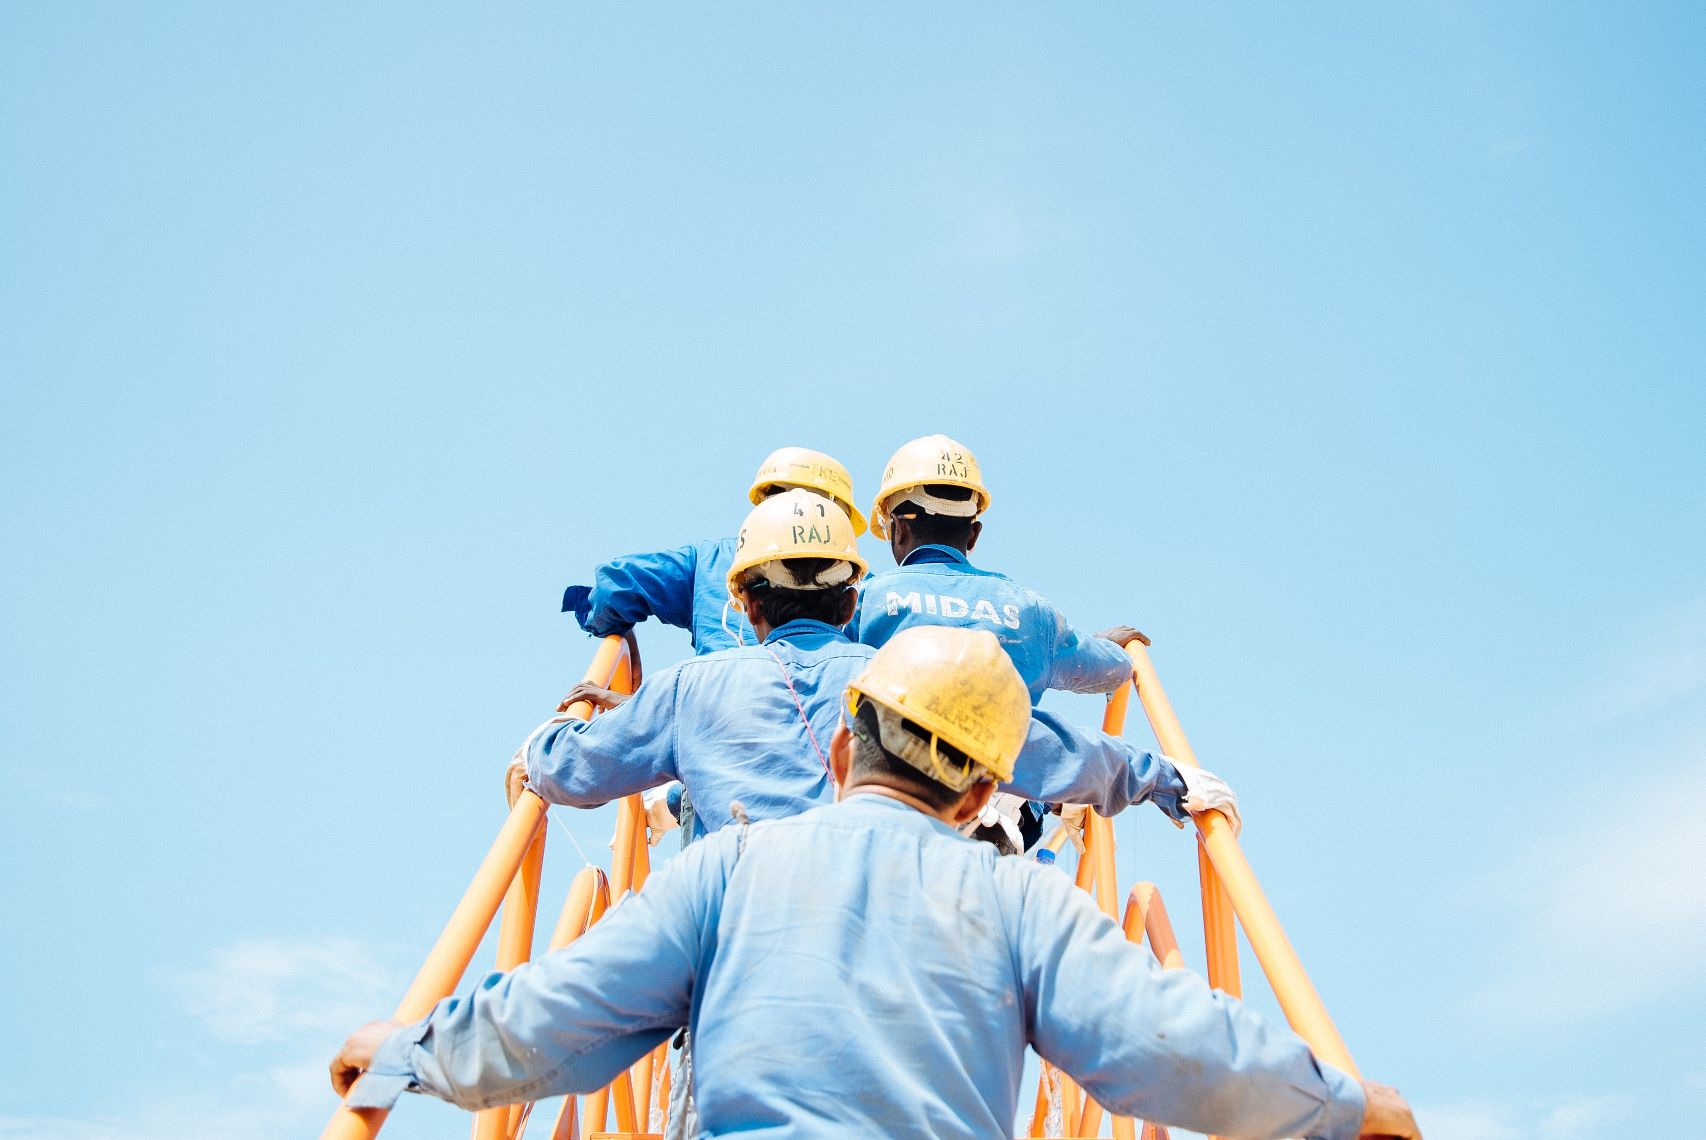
[511, 871]
[509, 874]
[1229, 888]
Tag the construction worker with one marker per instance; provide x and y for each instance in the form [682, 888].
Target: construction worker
[864, 970]
[685, 587]
[927, 507]
[750, 726]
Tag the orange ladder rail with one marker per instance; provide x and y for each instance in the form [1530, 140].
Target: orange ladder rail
[449, 957]
[1297, 996]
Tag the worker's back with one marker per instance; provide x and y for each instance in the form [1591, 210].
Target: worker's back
[751, 724]
[754, 724]
[863, 982]
[939, 586]
[863, 970]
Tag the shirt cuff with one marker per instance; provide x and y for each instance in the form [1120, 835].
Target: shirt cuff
[392, 1072]
[1341, 1119]
[1170, 790]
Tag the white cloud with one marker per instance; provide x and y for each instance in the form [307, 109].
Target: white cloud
[278, 1102]
[1573, 1118]
[1668, 669]
[271, 1011]
[1619, 885]
[1584, 1117]
[274, 989]
[1610, 874]
[1476, 1121]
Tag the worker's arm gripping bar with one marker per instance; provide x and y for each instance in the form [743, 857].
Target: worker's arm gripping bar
[455, 948]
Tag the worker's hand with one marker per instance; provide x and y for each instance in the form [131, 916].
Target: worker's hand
[515, 778]
[1122, 635]
[1204, 791]
[357, 1054]
[596, 695]
[1387, 1114]
[659, 819]
[1073, 814]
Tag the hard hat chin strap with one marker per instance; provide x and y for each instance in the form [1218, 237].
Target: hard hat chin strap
[922, 753]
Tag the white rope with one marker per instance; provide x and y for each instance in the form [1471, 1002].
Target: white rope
[579, 850]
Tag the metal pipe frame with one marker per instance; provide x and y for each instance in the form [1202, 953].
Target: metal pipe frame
[448, 959]
[1298, 999]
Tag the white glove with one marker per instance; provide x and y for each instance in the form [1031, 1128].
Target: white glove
[1204, 791]
[1074, 814]
[1001, 813]
[659, 818]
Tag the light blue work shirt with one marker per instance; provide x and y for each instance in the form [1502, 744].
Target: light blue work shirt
[863, 970]
[686, 587]
[727, 725]
[938, 585]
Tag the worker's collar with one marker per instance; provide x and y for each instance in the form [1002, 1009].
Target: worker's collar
[876, 806]
[805, 629]
[932, 552]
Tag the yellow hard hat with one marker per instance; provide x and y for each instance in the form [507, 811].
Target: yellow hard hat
[796, 524]
[934, 460]
[960, 687]
[813, 470]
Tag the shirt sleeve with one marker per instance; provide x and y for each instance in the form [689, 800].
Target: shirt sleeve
[1064, 764]
[585, 763]
[1080, 664]
[571, 1021]
[1160, 1045]
[629, 589]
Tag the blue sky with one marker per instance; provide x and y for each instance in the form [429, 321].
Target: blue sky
[1353, 352]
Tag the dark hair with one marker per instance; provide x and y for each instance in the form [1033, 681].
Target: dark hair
[871, 761]
[780, 605]
[938, 530]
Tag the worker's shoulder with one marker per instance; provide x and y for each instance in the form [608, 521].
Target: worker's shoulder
[1034, 598]
[694, 550]
[863, 814]
[742, 656]
[1029, 885]
[900, 574]
[714, 854]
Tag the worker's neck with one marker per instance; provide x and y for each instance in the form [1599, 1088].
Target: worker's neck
[948, 815]
[905, 550]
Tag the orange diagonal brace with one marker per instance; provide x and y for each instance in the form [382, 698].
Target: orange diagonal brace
[1297, 997]
[1146, 914]
[589, 898]
[455, 947]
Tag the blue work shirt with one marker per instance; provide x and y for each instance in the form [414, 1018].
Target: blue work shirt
[728, 726]
[863, 970]
[686, 587]
[938, 585]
